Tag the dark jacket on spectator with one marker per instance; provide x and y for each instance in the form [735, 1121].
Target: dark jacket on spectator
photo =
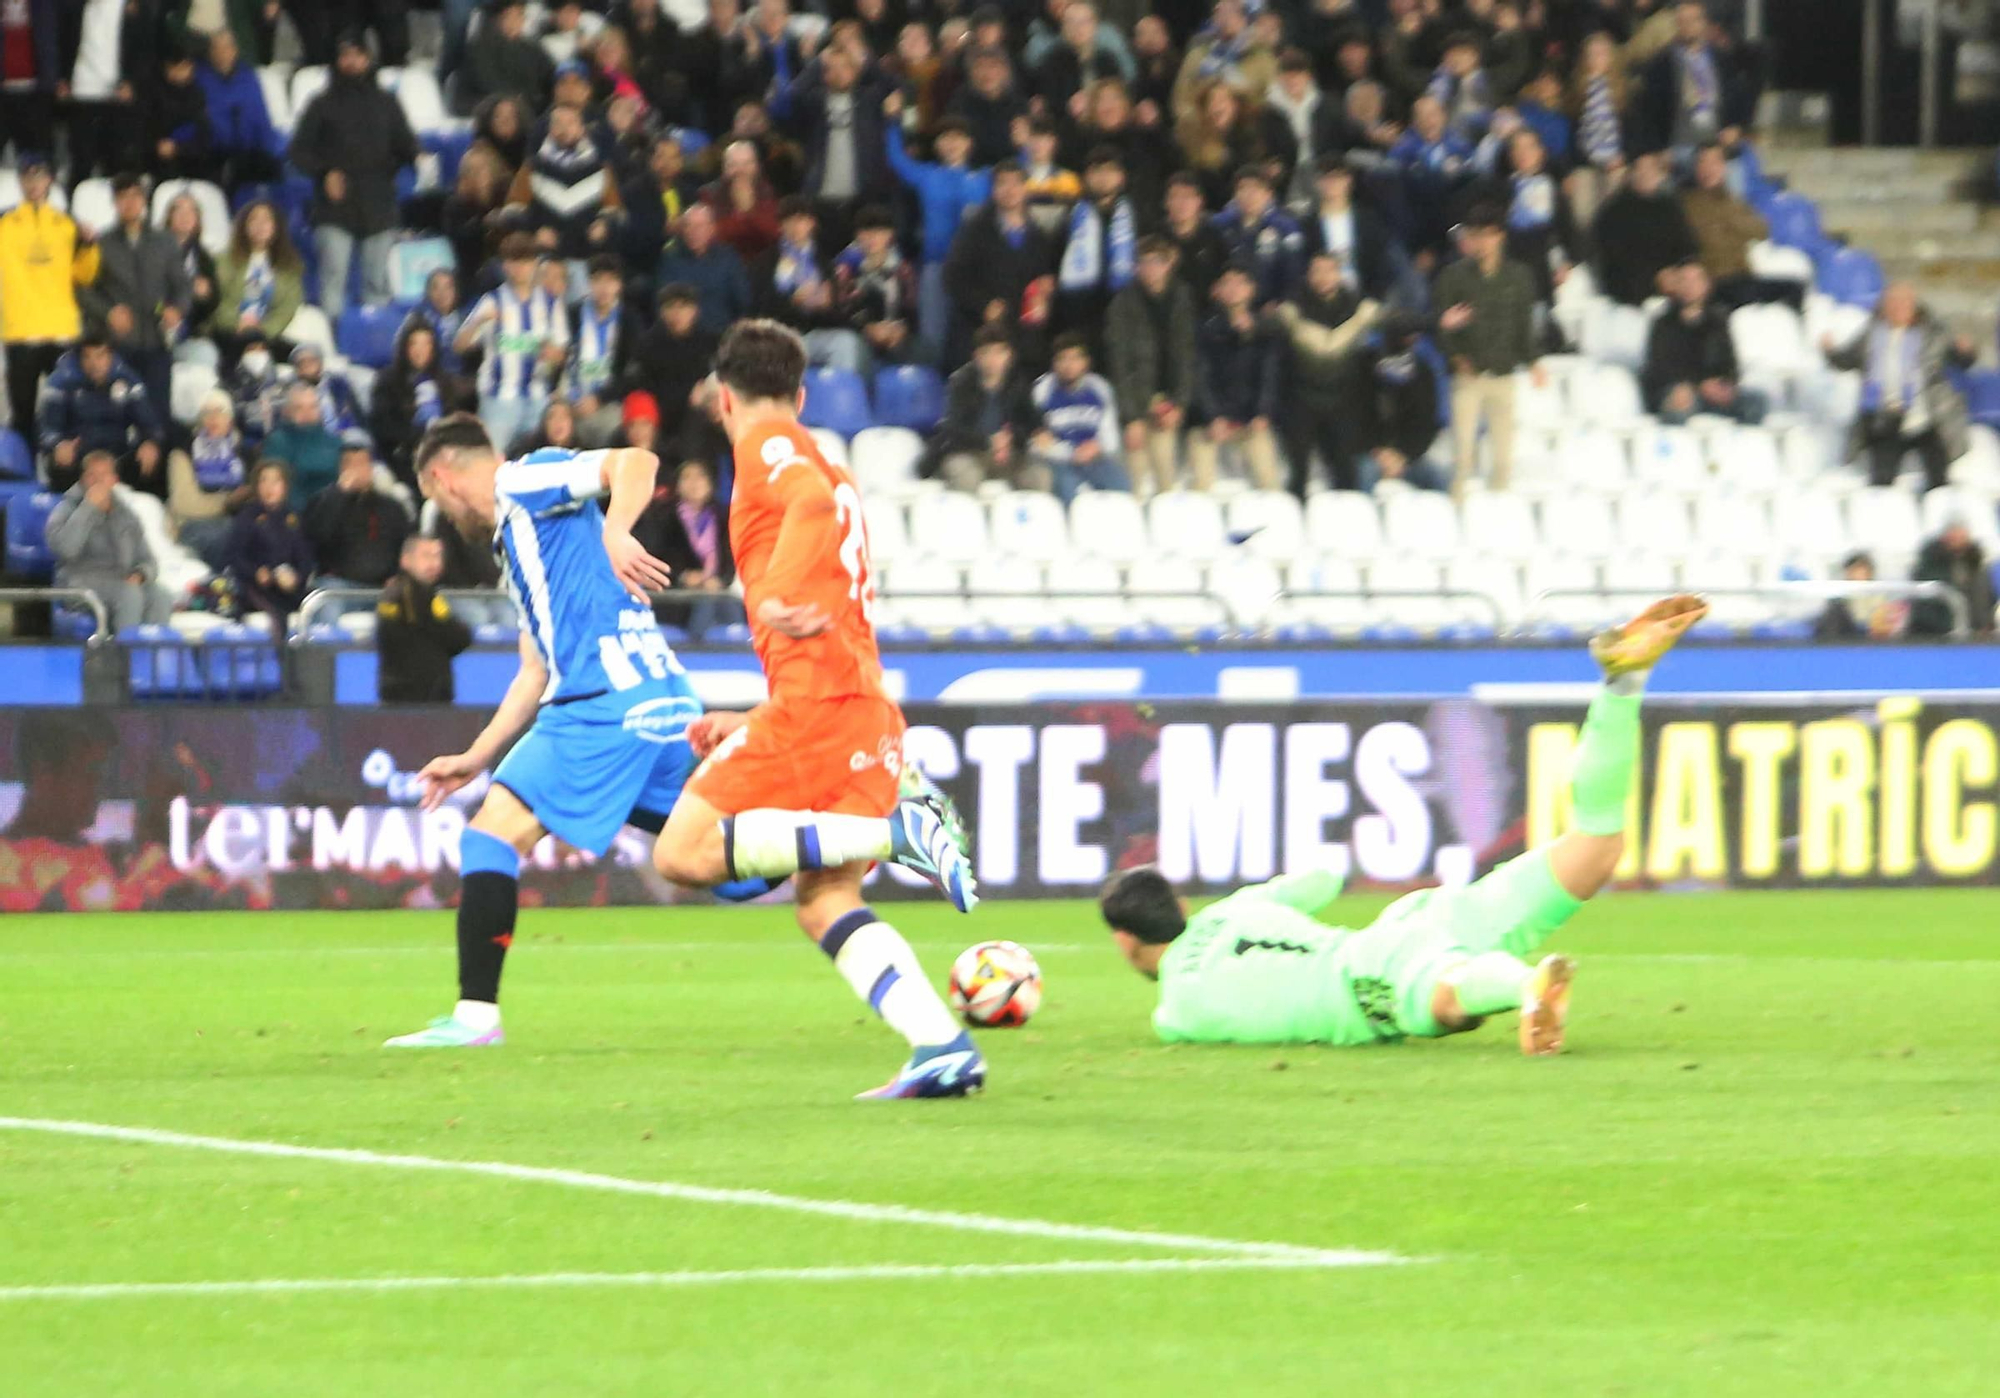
[496, 65]
[568, 189]
[356, 534]
[311, 451]
[358, 129]
[1149, 344]
[718, 278]
[176, 112]
[991, 120]
[1965, 571]
[806, 116]
[1398, 405]
[986, 265]
[966, 406]
[1239, 373]
[1679, 352]
[1638, 236]
[405, 403]
[1500, 337]
[1275, 246]
[669, 366]
[1369, 256]
[416, 636]
[142, 274]
[1657, 109]
[1325, 336]
[238, 120]
[262, 537]
[1203, 255]
[113, 416]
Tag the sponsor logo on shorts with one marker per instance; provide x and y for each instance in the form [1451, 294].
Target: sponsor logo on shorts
[888, 755]
[660, 720]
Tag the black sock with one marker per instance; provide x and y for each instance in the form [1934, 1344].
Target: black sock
[486, 903]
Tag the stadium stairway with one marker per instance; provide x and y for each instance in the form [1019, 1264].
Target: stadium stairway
[1915, 210]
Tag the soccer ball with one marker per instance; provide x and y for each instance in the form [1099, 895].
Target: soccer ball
[996, 985]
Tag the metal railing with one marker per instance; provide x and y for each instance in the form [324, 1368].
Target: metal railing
[1953, 599]
[99, 613]
[320, 599]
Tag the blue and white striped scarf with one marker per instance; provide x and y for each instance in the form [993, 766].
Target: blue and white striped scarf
[1094, 258]
[1700, 88]
[1603, 141]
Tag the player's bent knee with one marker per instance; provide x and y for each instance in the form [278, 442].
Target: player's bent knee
[690, 852]
[503, 816]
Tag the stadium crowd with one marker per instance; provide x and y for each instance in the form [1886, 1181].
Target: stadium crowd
[1100, 246]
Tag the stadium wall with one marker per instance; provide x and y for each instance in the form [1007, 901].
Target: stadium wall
[186, 807]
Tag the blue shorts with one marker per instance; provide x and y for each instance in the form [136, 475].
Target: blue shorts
[586, 768]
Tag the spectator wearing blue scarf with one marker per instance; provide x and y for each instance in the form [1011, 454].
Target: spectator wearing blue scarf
[1101, 254]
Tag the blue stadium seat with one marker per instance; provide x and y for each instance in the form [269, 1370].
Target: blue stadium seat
[837, 400]
[692, 138]
[1852, 277]
[1982, 395]
[327, 634]
[900, 634]
[492, 633]
[28, 553]
[1143, 633]
[1062, 634]
[1306, 631]
[909, 395]
[674, 635]
[733, 634]
[153, 657]
[367, 334]
[16, 461]
[1794, 220]
[74, 624]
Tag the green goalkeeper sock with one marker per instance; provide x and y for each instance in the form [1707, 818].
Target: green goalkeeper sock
[1489, 983]
[1609, 750]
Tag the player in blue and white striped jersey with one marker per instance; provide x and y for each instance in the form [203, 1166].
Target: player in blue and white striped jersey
[523, 329]
[603, 699]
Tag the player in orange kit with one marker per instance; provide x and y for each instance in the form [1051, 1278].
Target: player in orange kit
[807, 782]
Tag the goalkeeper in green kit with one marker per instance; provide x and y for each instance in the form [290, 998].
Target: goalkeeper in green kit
[1258, 967]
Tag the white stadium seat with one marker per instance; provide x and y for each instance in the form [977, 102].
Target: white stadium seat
[1171, 593]
[190, 383]
[1594, 459]
[1421, 524]
[276, 80]
[1108, 524]
[1579, 526]
[10, 190]
[92, 205]
[1616, 334]
[1724, 580]
[1249, 587]
[1883, 520]
[1575, 579]
[1270, 522]
[309, 326]
[1940, 507]
[1746, 459]
[1539, 407]
[1809, 526]
[1322, 574]
[1485, 576]
[307, 84]
[1499, 523]
[1029, 524]
[1344, 523]
[1325, 592]
[1086, 592]
[1186, 524]
[1731, 524]
[417, 93]
[214, 206]
[949, 521]
[1630, 580]
[1007, 592]
[1668, 457]
[1405, 591]
[1653, 523]
[884, 460]
[888, 531]
[1769, 259]
[1609, 395]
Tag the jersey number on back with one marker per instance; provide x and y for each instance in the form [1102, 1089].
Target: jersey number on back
[647, 648]
[854, 549]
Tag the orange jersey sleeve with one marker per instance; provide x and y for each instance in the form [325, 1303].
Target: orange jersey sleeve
[795, 526]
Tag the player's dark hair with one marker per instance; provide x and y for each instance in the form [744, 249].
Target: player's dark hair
[459, 432]
[762, 359]
[1142, 902]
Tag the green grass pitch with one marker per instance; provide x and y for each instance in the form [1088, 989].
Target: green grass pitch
[1769, 1164]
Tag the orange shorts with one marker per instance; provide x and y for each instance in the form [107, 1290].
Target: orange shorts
[843, 756]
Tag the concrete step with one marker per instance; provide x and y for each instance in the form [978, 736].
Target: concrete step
[1925, 192]
[1926, 246]
[1889, 161]
[1926, 220]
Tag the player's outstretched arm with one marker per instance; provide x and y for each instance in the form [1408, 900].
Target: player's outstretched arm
[441, 776]
[629, 473]
[1308, 893]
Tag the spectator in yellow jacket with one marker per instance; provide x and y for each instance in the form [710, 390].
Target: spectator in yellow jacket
[44, 258]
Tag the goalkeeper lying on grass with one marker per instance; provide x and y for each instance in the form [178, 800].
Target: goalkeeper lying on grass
[1259, 968]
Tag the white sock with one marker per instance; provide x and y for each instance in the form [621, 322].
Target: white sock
[1631, 682]
[771, 844]
[874, 959]
[482, 1015]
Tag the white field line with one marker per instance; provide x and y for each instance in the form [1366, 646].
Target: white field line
[703, 1194]
[790, 946]
[99, 1291]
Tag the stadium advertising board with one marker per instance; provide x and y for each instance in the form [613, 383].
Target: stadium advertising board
[290, 807]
